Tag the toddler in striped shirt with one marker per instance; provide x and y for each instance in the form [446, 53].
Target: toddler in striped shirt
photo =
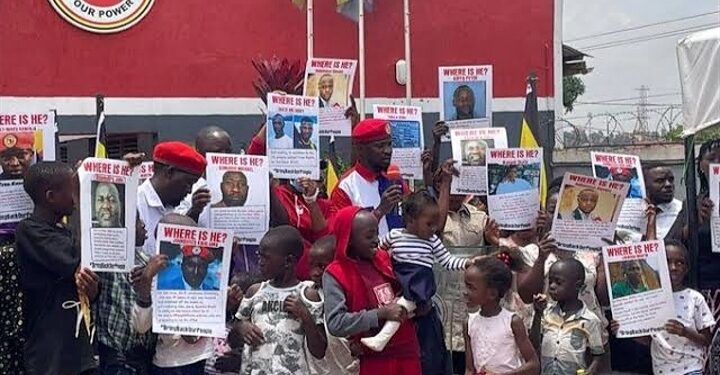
[414, 250]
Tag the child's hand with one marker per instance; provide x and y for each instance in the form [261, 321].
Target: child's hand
[539, 302]
[134, 159]
[294, 306]
[676, 328]
[87, 282]
[543, 222]
[251, 334]
[614, 327]
[492, 232]
[356, 348]
[235, 295]
[392, 311]
[547, 246]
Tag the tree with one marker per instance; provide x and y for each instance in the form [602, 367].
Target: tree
[573, 87]
[675, 134]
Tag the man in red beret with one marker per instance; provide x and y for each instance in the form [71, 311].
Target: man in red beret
[16, 154]
[177, 167]
[365, 184]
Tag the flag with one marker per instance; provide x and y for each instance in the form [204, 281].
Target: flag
[349, 8]
[101, 138]
[530, 130]
[331, 177]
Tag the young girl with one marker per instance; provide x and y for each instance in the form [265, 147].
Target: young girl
[682, 348]
[496, 340]
[414, 249]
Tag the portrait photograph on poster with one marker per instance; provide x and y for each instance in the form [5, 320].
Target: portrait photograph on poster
[190, 267]
[108, 204]
[292, 139]
[331, 82]
[513, 176]
[465, 92]
[470, 147]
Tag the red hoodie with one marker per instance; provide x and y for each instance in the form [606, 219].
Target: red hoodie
[363, 283]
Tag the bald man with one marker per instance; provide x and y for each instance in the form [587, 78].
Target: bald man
[234, 189]
[326, 86]
[586, 202]
[108, 207]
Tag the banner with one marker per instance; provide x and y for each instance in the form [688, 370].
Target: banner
[465, 94]
[108, 191]
[25, 138]
[190, 294]
[147, 169]
[714, 181]
[513, 176]
[469, 149]
[638, 281]
[632, 223]
[331, 82]
[587, 212]
[293, 146]
[406, 131]
[240, 190]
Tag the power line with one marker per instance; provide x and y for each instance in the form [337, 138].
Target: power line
[677, 93]
[628, 104]
[647, 38]
[642, 26]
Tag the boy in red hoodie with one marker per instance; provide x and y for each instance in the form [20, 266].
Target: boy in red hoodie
[360, 293]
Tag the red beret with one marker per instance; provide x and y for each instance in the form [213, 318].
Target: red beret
[197, 251]
[371, 130]
[621, 171]
[22, 140]
[181, 156]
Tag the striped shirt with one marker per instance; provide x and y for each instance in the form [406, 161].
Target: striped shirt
[406, 247]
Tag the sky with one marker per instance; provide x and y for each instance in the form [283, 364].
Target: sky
[619, 71]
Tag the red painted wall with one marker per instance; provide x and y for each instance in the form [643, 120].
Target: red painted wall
[202, 48]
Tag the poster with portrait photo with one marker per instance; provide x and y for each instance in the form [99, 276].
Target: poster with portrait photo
[632, 223]
[25, 138]
[587, 212]
[513, 186]
[714, 181]
[466, 124]
[406, 131]
[240, 190]
[469, 149]
[466, 93]
[108, 193]
[331, 82]
[639, 286]
[190, 293]
[293, 142]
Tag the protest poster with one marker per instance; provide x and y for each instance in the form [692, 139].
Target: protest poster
[466, 124]
[469, 149]
[147, 169]
[406, 132]
[25, 138]
[513, 176]
[587, 212]
[108, 191]
[640, 289]
[240, 190]
[293, 146]
[714, 181]
[331, 82]
[465, 95]
[190, 294]
[632, 223]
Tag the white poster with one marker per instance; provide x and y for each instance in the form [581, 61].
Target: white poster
[587, 212]
[632, 223]
[240, 190]
[293, 146]
[406, 131]
[639, 286]
[469, 149]
[108, 191]
[465, 95]
[714, 181]
[331, 82]
[147, 169]
[25, 138]
[513, 186]
[190, 294]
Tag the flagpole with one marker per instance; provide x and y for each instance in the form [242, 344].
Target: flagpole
[361, 53]
[408, 71]
[310, 30]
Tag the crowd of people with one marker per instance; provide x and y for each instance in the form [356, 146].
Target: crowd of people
[351, 282]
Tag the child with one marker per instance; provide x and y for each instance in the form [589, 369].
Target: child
[359, 287]
[50, 276]
[277, 317]
[682, 350]
[414, 250]
[338, 357]
[569, 330]
[496, 340]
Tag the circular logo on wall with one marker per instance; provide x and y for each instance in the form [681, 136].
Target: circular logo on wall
[103, 16]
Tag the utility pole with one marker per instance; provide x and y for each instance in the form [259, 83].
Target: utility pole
[641, 127]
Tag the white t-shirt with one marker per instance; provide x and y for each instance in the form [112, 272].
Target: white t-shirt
[283, 142]
[672, 354]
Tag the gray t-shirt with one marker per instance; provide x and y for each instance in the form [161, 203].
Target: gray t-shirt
[282, 352]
